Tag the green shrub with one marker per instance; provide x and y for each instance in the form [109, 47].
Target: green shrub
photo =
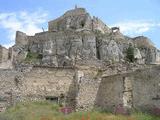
[33, 57]
[130, 54]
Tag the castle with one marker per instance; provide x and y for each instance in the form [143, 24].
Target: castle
[82, 63]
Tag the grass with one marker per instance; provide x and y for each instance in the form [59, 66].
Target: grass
[50, 111]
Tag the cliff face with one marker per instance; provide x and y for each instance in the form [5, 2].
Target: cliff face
[76, 36]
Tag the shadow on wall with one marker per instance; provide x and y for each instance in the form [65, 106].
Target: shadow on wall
[72, 94]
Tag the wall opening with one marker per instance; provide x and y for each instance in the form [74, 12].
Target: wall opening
[52, 99]
[82, 24]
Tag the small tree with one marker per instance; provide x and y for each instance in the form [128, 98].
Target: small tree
[130, 54]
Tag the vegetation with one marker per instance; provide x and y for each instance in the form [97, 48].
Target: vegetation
[130, 54]
[33, 57]
[50, 111]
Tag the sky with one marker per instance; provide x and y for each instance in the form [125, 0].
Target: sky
[134, 17]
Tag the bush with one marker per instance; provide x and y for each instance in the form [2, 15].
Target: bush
[130, 54]
[33, 57]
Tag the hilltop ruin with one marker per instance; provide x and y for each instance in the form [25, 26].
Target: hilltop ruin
[82, 63]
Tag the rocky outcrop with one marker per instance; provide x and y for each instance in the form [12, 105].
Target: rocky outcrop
[77, 37]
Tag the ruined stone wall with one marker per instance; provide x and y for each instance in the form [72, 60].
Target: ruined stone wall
[88, 82]
[139, 90]
[7, 88]
[110, 93]
[73, 19]
[4, 53]
[21, 38]
[78, 19]
[41, 83]
[146, 89]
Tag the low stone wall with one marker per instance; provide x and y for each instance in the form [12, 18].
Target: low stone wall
[39, 83]
[48, 83]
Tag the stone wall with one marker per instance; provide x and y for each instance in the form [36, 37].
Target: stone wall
[78, 19]
[88, 85]
[4, 54]
[21, 38]
[110, 93]
[146, 89]
[39, 83]
[45, 83]
[7, 88]
[139, 90]
[73, 19]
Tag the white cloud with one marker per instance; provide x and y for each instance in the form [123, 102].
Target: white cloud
[136, 27]
[8, 45]
[28, 22]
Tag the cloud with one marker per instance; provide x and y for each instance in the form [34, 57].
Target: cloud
[133, 28]
[8, 45]
[28, 22]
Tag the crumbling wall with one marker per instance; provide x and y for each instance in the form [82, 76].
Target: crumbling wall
[146, 89]
[110, 93]
[38, 83]
[43, 83]
[5, 62]
[21, 38]
[138, 90]
[7, 88]
[88, 85]
[4, 53]
[72, 19]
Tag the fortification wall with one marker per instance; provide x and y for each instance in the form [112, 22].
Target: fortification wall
[70, 19]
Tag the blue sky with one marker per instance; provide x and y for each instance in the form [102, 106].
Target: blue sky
[134, 17]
